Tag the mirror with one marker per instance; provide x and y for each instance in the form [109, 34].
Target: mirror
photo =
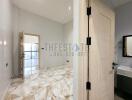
[127, 46]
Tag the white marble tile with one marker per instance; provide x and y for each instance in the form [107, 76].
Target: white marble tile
[53, 84]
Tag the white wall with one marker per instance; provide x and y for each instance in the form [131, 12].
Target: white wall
[49, 31]
[5, 45]
[68, 39]
[123, 27]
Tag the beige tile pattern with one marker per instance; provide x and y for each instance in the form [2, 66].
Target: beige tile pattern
[53, 84]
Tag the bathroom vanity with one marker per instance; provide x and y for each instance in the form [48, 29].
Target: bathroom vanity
[124, 79]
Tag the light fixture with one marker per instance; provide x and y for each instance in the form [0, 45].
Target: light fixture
[5, 43]
[69, 8]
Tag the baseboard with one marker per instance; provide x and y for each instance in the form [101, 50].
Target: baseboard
[5, 91]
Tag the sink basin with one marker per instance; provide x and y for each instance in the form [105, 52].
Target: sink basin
[125, 71]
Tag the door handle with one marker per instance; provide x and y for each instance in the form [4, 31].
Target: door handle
[113, 65]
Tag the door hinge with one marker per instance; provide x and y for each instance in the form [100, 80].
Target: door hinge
[89, 11]
[88, 86]
[88, 40]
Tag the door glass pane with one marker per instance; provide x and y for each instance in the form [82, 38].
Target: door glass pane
[35, 39]
[27, 63]
[34, 47]
[27, 47]
[27, 55]
[34, 68]
[27, 38]
[35, 55]
[34, 62]
[27, 71]
[31, 54]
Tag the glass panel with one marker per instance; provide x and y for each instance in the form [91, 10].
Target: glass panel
[27, 46]
[27, 72]
[35, 39]
[35, 55]
[27, 63]
[34, 68]
[27, 38]
[34, 62]
[27, 55]
[31, 54]
[35, 47]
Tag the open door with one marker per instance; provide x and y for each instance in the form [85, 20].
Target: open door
[101, 51]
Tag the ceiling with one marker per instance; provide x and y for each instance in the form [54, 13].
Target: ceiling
[56, 10]
[116, 3]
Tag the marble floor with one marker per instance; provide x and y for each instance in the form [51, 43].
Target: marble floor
[53, 84]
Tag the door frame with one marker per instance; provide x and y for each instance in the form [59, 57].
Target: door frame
[78, 75]
[80, 30]
[21, 52]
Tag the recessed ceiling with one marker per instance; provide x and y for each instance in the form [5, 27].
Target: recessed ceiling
[57, 10]
[116, 3]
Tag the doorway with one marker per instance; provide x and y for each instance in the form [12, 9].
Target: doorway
[29, 54]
